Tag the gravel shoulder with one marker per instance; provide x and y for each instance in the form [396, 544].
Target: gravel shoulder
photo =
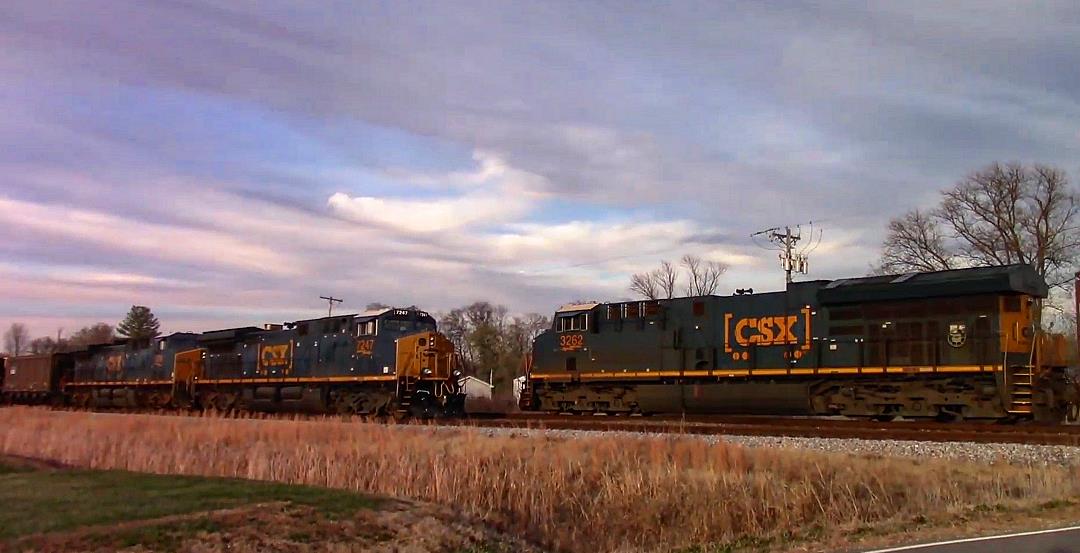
[983, 453]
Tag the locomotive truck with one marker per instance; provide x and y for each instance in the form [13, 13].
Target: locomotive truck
[958, 344]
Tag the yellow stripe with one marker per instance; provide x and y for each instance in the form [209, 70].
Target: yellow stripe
[549, 376]
[297, 380]
[964, 369]
[121, 383]
[735, 373]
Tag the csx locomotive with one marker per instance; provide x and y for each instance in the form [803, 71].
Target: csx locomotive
[947, 345]
[388, 362]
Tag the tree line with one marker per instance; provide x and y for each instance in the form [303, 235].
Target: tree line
[491, 343]
[140, 323]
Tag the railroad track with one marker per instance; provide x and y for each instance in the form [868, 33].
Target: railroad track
[805, 427]
[797, 427]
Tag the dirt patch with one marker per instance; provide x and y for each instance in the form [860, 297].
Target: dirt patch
[397, 527]
[18, 462]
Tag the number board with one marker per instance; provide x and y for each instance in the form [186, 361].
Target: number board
[365, 347]
[571, 342]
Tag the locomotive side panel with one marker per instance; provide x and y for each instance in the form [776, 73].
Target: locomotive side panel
[948, 344]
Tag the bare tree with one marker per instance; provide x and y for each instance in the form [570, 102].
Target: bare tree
[703, 277]
[645, 285]
[667, 278]
[16, 339]
[916, 242]
[999, 215]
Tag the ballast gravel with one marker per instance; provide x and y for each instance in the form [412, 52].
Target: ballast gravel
[1015, 454]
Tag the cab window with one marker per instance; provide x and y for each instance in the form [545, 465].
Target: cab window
[567, 323]
[369, 328]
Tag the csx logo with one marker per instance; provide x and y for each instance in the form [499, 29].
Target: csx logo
[766, 331]
[276, 355]
[114, 364]
[770, 330]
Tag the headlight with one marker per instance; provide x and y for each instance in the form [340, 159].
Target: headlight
[426, 372]
[457, 373]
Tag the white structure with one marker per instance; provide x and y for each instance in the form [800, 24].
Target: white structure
[476, 388]
[519, 386]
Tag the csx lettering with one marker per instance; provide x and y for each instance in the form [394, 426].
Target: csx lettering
[275, 355]
[570, 342]
[365, 347]
[766, 331]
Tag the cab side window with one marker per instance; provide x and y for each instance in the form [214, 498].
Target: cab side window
[567, 323]
[369, 328]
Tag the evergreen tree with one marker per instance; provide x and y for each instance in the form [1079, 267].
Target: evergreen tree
[140, 323]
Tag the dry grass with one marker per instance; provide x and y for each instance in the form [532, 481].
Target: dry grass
[595, 495]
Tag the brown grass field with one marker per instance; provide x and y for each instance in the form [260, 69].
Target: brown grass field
[588, 495]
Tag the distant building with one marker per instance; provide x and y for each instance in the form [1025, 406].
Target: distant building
[476, 388]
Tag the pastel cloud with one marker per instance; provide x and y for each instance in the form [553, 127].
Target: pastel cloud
[227, 164]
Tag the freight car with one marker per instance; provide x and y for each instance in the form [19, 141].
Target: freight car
[383, 362]
[34, 379]
[948, 345]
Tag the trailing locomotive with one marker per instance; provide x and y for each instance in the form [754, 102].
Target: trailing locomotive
[389, 362]
[128, 373]
[948, 345]
[384, 362]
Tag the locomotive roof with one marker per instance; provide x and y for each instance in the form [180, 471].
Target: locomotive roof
[575, 307]
[1019, 278]
[228, 333]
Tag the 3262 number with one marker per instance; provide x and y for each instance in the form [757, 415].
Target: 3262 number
[571, 342]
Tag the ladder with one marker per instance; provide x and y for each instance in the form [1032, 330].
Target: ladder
[1020, 384]
[405, 390]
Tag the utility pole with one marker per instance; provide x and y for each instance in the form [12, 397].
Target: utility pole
[331, 300]
[791, 260]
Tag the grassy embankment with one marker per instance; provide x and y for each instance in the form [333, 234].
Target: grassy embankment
[49, 508]
[591, 495]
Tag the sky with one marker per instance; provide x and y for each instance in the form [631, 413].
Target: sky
[228, 163]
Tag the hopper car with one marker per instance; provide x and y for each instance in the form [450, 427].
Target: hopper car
[958, 344]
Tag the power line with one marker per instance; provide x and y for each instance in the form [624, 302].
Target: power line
[331, 300]
[792, 260]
